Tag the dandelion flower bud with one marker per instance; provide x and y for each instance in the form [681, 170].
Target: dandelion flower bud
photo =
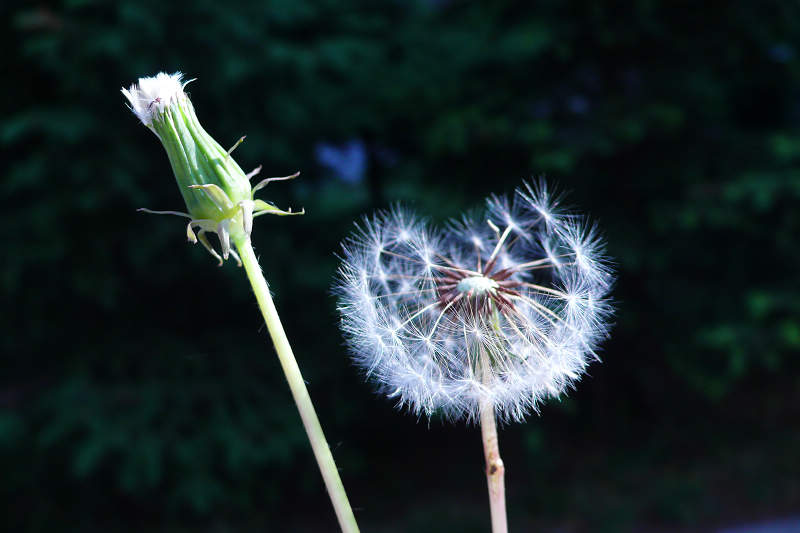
[218, 196]
[504, 307]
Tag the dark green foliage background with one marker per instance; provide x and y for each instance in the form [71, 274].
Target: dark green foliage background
[138, 388]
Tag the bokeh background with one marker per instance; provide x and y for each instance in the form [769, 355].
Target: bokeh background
[138, 388]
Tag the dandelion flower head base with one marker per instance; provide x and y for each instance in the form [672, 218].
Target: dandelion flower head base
[506, 306]
[218, 195]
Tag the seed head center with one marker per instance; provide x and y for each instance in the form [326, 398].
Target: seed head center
[479, 285]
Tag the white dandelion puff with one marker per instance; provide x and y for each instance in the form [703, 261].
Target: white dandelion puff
[504, 307]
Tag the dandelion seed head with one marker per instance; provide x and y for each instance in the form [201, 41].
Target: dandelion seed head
[506, 305]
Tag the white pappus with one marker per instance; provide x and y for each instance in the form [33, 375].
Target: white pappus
[505, 306]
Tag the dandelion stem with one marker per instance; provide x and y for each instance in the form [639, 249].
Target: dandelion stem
[316, 437]
[495, 471]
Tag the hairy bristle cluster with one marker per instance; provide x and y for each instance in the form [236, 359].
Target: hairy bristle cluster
[152, 94]
[506, 305]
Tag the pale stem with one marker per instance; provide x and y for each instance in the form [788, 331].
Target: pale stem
[495, 471]
[322, 451]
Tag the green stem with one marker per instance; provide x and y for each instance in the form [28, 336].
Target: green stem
[322, 451]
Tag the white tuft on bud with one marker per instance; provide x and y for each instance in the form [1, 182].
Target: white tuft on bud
[152, 95]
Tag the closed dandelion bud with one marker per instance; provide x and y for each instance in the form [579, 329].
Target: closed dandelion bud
[218, 195]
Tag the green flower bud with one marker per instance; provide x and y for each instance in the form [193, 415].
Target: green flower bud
[217, 193]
